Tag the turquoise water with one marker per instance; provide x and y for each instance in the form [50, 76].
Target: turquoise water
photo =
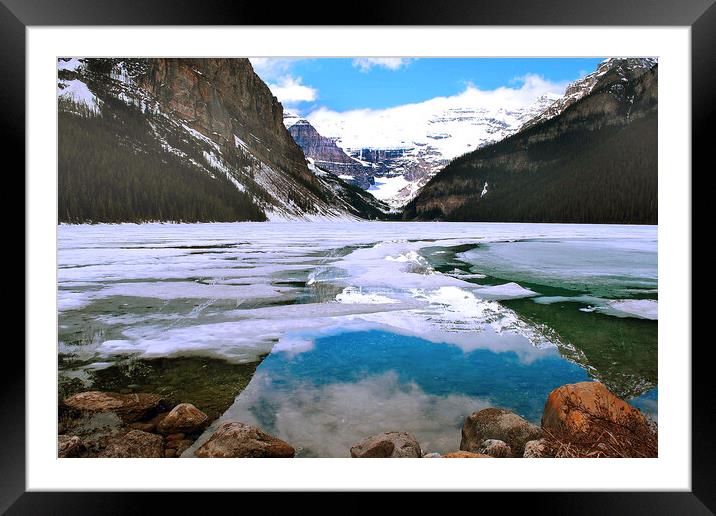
[438, 369]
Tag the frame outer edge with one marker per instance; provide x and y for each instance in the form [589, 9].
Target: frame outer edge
[12, 35]
[12, 143]
[703, 86]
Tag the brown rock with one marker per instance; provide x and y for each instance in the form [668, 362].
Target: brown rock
[184, 418]
[536, 449]
[495, 448]
[465, 455]
[236, 439]
[69, 446]
[170, 453]
[387, 444]
[497, 423]
[175, 437]
[129, 407]
[134, 443]
[570, 408]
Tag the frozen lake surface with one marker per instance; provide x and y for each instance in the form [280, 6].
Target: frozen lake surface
[339, 330]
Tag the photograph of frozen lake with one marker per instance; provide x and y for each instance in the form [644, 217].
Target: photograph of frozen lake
[367, 257]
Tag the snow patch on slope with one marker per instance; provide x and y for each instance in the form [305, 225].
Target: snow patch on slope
[78, 91]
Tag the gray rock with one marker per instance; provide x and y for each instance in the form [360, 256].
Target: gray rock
[387, 444]
[133, 444]
[535, 449]
[495, 448]
[501, 424]
[236, 439]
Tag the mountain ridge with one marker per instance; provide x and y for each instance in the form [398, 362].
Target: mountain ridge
[594, 162]
[124, 122]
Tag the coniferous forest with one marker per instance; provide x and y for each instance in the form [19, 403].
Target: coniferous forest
[112, 169]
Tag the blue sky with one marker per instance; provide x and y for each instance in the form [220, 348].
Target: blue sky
[305, 85]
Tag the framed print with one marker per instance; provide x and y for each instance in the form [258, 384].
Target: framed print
[259, 248]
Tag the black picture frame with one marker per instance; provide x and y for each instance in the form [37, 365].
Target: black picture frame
[17, 15]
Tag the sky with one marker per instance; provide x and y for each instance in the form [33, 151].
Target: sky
[305, 86]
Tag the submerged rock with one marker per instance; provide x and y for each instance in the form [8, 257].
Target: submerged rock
[497, 423]
[236, 439]
[536, 449]
[570, 408]
[495, 448]
[69, 446]
[129, 407]
[387, 445]
[185, 418]
[133, 444]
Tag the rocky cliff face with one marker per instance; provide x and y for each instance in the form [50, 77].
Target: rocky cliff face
[594, 162]
[327, 155]
[214, 116]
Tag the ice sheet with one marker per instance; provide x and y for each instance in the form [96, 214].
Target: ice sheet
[236, 290]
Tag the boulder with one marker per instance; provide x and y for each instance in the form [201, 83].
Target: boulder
[133, 444]
[536, 449]
[129, 407]
[236, 439]
[570, 408]
[501, 424]
[495, 448]
[387, 445]
[465, 455]
[185, 418]
[69, 446]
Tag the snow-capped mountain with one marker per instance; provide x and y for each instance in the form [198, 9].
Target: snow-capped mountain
[623, 69]
[185, 139]
[405, 146]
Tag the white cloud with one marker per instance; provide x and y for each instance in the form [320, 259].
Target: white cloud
[272, 68]
[289, 90]
[276, 73]
[364, 64]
